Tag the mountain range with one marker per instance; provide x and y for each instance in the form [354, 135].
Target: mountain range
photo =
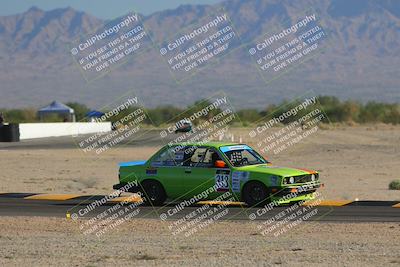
[361, 61]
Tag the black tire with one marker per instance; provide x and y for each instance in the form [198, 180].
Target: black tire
[153, 193]
[255, 194]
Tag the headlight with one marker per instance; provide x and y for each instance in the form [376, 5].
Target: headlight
[291, 180]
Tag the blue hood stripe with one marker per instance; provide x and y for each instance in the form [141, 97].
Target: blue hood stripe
[132, 163]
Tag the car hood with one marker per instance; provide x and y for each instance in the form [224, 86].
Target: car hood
[275, 170]
[132, 163]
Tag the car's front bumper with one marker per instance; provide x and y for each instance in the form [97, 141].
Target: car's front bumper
[294, 193]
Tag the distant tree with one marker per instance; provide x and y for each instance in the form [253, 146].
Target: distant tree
[332, 107]
[269, 110]
[163, 114]
[373, 112]
[80, 110]
[336, 111]
[380, 112]
[249, 115]
[14, 116]
[199, 106]
[394, 114]
[328, 101]
[351, 111]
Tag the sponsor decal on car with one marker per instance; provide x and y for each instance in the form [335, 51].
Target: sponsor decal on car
[237, 178]
[151, 171]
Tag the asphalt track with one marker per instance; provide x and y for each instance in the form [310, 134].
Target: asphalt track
[22, 204]
[326, 211]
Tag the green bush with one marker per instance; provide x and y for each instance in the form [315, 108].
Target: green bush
[394, 185]
[80, 110]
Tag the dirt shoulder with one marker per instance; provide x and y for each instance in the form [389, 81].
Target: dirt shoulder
[36, 241]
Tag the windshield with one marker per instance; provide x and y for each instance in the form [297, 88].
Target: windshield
[242, 155]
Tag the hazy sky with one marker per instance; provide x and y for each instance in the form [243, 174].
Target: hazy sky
[99, 8]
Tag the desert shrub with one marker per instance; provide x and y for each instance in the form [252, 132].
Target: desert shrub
[394, 185]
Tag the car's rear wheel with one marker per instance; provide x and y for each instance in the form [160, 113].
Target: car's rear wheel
[255, 194]
[153, 193]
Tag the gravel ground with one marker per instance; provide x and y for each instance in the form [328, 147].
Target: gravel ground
[38, 241]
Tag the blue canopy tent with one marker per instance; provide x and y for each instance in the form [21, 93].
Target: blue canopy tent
[93, 114]
[57, 108]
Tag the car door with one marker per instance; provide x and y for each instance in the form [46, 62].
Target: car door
[201, 176]
[167, 168]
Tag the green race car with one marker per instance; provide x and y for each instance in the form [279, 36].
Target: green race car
[205, 171]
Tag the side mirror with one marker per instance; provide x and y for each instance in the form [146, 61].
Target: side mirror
[220, 164]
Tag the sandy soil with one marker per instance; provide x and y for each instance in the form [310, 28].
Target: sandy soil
[354, 162]
[48, 241]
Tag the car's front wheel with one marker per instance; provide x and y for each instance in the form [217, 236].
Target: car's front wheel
[153, 193]
[255, 194]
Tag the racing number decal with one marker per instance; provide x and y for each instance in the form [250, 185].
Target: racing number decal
[222, 180]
